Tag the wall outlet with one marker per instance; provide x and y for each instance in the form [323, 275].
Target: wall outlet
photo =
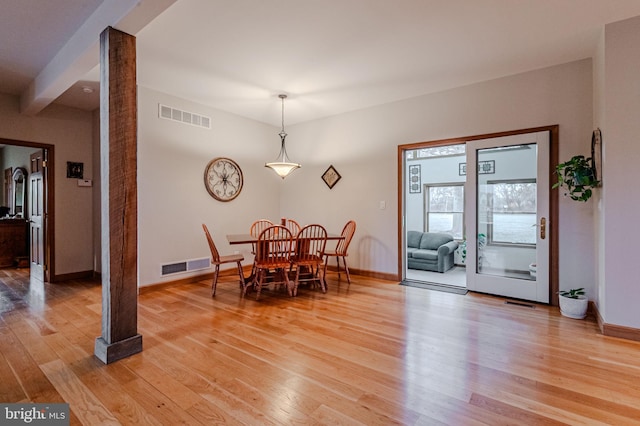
[383, 205]
[85, 182]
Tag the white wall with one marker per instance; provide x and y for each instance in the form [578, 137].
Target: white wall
[598, 196]
[621, 175]
[69, 130]
[362, 145]
[96, 201]
[172, 199]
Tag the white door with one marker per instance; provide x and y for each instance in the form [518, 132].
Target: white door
[507, 238]
[37, 215]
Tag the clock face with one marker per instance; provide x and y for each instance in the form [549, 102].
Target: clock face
[223, 179]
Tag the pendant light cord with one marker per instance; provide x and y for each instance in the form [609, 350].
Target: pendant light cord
[282, 97]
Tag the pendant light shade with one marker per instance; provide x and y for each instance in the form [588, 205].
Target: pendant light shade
[282, 166]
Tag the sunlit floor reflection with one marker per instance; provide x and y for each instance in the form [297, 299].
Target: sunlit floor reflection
[435, 322]
[18, 290]
[36, 296]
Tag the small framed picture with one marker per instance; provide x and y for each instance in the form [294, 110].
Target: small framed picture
[486, 167]
[415, 184]
[75, 170]
[331, 176]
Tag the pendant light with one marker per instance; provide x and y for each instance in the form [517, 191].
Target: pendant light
[283, 166]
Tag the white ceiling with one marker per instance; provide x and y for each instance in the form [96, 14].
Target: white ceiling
[329, 56]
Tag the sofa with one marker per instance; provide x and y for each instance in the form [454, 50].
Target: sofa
[430, 251]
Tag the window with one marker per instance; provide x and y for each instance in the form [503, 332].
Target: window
[444, 207]
[436, 151]
[511, 211]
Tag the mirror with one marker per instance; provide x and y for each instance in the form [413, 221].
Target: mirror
[19, 191]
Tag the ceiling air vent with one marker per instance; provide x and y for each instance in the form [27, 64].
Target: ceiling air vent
[185, 117]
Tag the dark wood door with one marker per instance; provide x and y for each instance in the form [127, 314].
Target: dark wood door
[37, 215]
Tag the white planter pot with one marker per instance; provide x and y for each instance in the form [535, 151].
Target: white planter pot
[574, 308]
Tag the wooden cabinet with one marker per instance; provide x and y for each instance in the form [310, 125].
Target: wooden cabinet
[14, 235]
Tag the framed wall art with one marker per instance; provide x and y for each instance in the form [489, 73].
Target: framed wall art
[487, 167]
[596, 154]
[331, 177]
[75, 170]
[415, 180]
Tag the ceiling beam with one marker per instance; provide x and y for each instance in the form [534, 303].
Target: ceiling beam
[81, 52]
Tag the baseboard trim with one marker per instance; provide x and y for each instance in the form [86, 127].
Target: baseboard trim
[369, 274]
[247, 270]
[193, 279]
[623, 332]
[613, 330]
[82, 275]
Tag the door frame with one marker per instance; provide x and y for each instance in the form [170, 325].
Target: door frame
[553, 196]
[49, 202]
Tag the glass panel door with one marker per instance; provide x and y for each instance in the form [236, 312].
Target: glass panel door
[507, 241]
[433, 202]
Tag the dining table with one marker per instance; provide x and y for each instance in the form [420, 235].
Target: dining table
[250, 239]
[235, 239]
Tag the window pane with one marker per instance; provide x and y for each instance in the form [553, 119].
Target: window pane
[445, 210]
[449, 223]
[513, 211]
[514, 228]
[446, 198]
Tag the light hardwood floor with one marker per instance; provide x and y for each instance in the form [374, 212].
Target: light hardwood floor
[374, 353]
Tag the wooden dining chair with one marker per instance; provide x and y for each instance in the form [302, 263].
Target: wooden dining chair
[292, 226]
[256, 228]
[342, 248]
[308, 255]
[218, 260]
[273, 253]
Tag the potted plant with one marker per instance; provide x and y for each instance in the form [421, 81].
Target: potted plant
[573, 303]
[462, 249]
[577, 177]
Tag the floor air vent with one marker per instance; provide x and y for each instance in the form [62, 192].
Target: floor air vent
[518, 303]
[185, 266]
[185, 117]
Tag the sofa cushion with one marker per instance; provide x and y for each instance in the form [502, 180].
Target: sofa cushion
[425, 254]
[413, 239]
[433, 240]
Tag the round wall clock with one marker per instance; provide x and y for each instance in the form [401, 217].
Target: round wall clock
[223, 179]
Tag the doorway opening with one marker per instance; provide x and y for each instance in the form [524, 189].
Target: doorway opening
[484, 209]
[36, 202]
[434, 215]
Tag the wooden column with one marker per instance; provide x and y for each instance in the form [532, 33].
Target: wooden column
[118, 148]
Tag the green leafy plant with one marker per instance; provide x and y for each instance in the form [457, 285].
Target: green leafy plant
[462, 248]
[574, 293]
[577, 177]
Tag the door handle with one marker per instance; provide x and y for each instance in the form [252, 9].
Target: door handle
[543, 228]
